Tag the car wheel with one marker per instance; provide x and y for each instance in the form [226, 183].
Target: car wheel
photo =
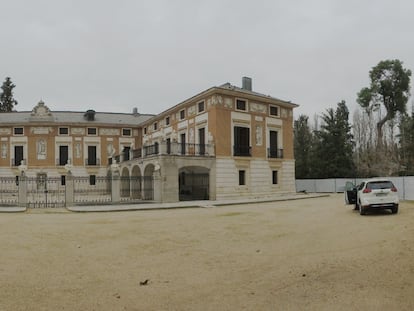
[361, 210]
[394, 210]
[356, 207]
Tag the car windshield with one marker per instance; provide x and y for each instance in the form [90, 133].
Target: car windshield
[380, 185]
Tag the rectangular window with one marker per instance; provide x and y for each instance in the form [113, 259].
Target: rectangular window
[155, 126]
[167, 121]
[201, 106]
[242, 141]
[126, 152]
[274, 151]
[274, 177]
[92, 131]
[202, 140]
[18, 131]
[182, 114]
[92, 180]
[183, 146]
[242, 177]
[63, 180]
[145, 130]
[274, 111]
[168, 145]
[241, 105]
[63, 131]
[126, 132]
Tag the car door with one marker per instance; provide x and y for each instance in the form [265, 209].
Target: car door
[350, 193]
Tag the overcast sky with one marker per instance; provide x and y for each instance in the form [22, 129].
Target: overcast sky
[116, 55]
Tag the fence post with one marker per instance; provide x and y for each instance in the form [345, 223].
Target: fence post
[69, 189]
[157, 184]
[22, 189]
[115, 183]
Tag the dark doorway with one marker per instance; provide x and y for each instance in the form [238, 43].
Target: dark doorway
[63, 155]
[193, 184]
[18, 155]
[91, 155]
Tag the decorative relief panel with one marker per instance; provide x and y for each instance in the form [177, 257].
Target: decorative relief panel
[3, 150]
[41, 130]
[259, 131]
[110, 150]
[109, 132]
[228, 103]
[41, 149]
[191, 110]
[216, 100]
[254, 107]
[78, 150]
[135, 132]
[191, 134]
[5, 131]
[77, 131]
[284, 113]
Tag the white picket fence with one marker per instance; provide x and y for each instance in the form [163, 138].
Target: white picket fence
[405, 185]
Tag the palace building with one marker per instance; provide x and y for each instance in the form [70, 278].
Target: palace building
[224, 142]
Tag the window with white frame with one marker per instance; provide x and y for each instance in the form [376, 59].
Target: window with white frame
[201, 106]
[126, 132]
[182, 114]
[18, 131]
[63, 131]
[92, 131]
[241, 104]
[274, 111]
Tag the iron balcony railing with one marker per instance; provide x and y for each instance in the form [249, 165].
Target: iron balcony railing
[242, 151]
[17, 162]
[275, 153]
[62, 162]
[92, 162]
[167, 148]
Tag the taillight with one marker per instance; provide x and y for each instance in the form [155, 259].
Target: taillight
[366, 190]
[393, 189]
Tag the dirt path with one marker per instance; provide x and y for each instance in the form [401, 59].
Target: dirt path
[314, 254]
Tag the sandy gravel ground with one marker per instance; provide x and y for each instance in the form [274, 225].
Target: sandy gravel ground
[313, 254]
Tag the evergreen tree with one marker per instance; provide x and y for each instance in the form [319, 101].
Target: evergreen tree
[302, 147]
[333, 154]
[7, 102]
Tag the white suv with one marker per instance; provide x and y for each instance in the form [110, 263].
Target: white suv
[376, 193]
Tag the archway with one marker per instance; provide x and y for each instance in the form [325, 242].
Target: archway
[125, 183]
[148, 182]
[136, 187]
[193, 183]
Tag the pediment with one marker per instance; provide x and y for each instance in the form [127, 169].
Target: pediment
[41, 112]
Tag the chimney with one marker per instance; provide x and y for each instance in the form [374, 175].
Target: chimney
[135, 111]
[89, 115]
[247, 83]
